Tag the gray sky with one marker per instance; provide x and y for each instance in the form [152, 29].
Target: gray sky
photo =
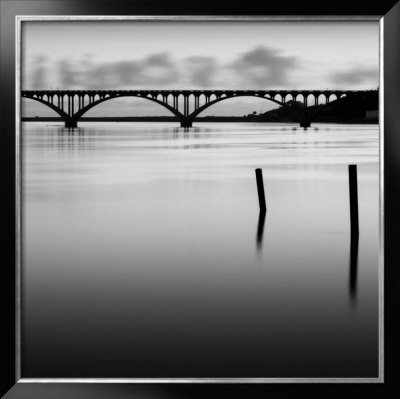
[196, 55]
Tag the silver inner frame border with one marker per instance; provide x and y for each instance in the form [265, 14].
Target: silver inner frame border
[194, 18]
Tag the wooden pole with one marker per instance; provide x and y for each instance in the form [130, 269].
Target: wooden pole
[353, 200]
[260, 190]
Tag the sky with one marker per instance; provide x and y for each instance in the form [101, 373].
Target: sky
[196, 55]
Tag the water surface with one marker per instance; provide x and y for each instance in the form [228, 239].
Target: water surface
[144, 255]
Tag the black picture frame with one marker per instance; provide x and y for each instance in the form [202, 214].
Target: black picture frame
[389, 10]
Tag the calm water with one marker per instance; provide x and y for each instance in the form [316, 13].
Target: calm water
[143, 253]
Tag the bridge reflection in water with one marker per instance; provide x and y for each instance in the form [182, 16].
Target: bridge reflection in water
[186, 105]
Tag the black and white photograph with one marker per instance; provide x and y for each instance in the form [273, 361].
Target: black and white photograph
[200, 199]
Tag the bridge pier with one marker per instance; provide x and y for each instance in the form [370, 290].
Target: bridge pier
[186, 123]
[71, 123]
[305, 124]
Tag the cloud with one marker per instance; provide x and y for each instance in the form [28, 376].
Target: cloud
[38, 74]
[113, 75]
[201, 70]
[67, 74]
[158, 59]
[258, 68]
[159, 69]
[264, 66]
[356, 75]
[150, 71]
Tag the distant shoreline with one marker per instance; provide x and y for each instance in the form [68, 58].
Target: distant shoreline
[201, 119]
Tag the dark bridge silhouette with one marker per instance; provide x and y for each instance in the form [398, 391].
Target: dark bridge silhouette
[186, 105]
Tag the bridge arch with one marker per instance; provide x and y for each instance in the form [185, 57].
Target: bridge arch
[299, 98]
[289, 97]
[203, 107]
[305, 120]
[149, 97]
[59, 111]
[321, 99]
[332, 97]
[170, 98]
[71, 120]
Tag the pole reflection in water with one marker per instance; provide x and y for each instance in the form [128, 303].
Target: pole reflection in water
[353, 266]
[260, 230]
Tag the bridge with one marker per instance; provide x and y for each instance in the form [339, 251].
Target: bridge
[186, 105]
